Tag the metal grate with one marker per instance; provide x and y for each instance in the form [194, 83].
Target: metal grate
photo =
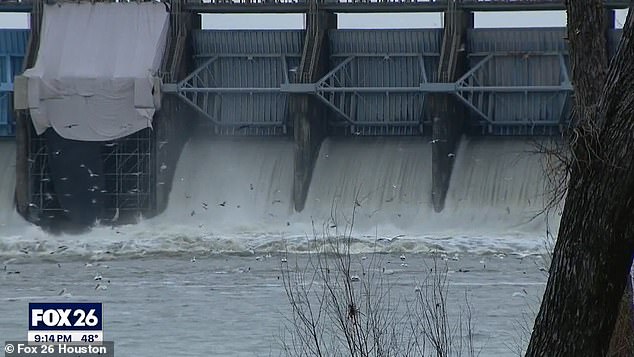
[128, 164]
[129, 177]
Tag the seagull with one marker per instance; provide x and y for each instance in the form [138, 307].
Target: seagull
[388, 271]
[98, 277]
[59, 249]
[193, 260]
[402, 257]
[451, 155]
[354, 278]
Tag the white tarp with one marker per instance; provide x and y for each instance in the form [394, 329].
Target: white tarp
[94, 75]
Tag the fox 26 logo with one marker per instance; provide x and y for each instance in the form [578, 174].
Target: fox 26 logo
[65, 317]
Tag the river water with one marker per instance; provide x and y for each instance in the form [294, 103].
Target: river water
[228, 305]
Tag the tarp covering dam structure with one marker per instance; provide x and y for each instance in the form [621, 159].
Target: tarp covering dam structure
[94, 74]
[121, 110]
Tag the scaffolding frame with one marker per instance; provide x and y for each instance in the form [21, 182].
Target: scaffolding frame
[129, 178]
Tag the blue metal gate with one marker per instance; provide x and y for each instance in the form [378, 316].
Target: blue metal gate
[12, 49]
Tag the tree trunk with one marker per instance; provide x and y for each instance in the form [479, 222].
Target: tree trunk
[595, 245]
[622, 343]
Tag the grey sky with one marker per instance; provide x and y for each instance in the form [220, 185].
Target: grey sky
[398, 20]
[14, 21]
[395, 20]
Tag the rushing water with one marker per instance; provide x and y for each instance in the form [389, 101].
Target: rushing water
[230, 207]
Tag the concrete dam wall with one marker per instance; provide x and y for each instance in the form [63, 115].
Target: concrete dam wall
[245, 184]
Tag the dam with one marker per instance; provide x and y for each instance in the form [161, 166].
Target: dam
[174, 172]
[413, 129]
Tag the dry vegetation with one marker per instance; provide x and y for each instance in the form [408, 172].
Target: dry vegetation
[342, 305]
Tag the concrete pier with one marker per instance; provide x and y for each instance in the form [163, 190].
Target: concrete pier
[448, 123]
[307, 114]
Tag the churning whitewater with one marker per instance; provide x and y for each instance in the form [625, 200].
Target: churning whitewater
[234, 195]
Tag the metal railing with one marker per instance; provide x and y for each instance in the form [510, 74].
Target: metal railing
[301, 6]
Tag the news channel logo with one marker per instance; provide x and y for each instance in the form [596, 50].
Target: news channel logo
[65, 322]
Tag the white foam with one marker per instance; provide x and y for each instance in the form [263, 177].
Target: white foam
[10, 221]
[386, 180]
[240, 193]
[232, 185]
[497, 186]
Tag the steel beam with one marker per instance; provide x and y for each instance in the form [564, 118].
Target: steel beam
[338, 92]
[348, 6]
[238, 90]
